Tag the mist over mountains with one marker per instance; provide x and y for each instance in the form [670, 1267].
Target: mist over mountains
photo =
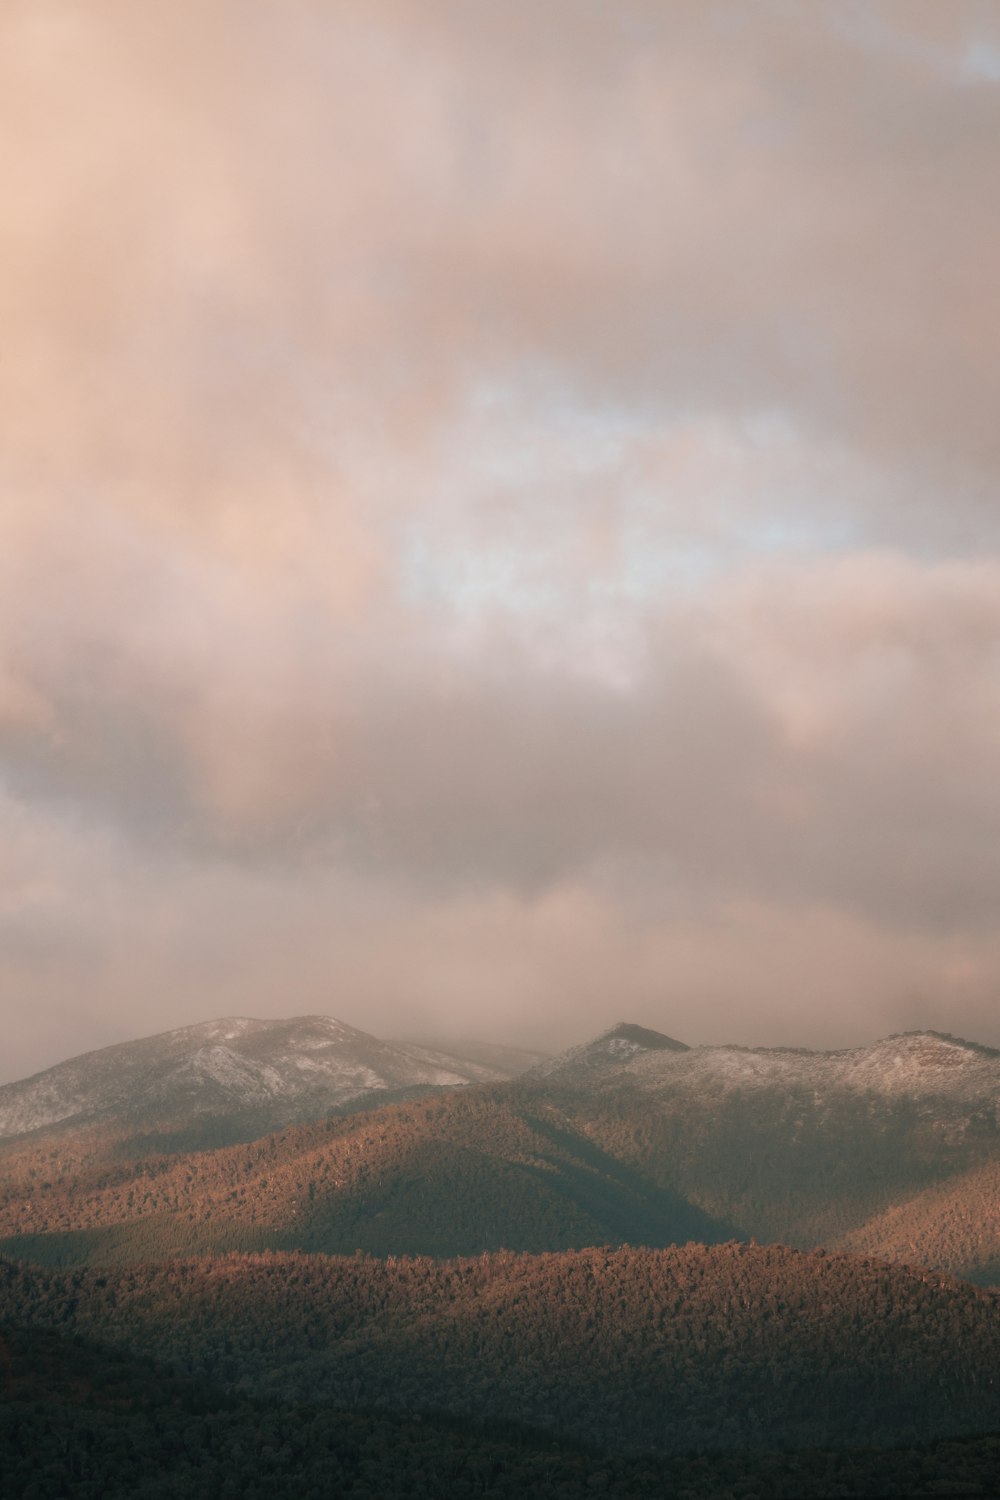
[498, 537]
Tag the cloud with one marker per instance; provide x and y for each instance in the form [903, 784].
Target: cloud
[234, 261]
[823, 732]
[483, 463]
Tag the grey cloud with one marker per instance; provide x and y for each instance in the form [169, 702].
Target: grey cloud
[825, 735]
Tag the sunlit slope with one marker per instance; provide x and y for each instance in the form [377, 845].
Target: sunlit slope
[954, 1223]
[456, 1174]
[619, 1144]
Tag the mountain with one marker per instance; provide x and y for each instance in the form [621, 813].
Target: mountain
[949, 1074]
[246, 1074]
[566, 1300]
[892, 1149]
[623, 1043]
[606, 1325]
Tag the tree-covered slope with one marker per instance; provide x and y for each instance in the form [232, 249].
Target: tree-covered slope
[954, 1223]
[727, 1346]
[456, 1174]
[92, 1422]
[892, 1149]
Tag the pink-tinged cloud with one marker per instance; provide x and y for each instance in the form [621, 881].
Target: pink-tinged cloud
[508, 492]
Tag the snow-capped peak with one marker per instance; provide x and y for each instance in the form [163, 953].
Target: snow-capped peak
[293, 1069]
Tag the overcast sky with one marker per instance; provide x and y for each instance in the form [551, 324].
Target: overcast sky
[499, 524]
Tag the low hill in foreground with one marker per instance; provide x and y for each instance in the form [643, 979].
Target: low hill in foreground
[727, 1347]
[81, 1419]
[95, 1423]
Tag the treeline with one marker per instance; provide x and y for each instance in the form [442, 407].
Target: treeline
[697, 1347]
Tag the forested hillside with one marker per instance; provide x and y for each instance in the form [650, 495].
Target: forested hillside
[953, 1223]
[548, 1163]
[457, 1174]
[84, 1420]
[733, 1346]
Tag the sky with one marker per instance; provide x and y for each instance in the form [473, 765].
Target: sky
[498, 518]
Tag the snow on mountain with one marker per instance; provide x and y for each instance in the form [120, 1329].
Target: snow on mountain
[623, 1043]
[919, 1066]
[292, 1068]
[288, 1070]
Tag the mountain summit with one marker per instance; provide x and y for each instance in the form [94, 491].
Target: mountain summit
[621, 1044]
[913, 1064]
[267, 1073]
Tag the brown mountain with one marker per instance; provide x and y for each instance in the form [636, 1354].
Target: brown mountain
[890, 1149]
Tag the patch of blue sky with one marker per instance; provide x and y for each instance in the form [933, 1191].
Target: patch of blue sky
[652, 568]
[543, 414]
[799, 533]
[655, 565]
[472, 581]
[475, 580]
[982, 61]
[978, 60]
[540, 506]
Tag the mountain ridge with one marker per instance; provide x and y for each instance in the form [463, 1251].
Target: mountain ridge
[911, 1062]
[620, 1042]
[286, 1069]
[632, 1138]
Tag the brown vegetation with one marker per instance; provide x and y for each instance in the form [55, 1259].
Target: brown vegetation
[523, 1167]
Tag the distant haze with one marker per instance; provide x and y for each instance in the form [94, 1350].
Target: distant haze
[498, 518]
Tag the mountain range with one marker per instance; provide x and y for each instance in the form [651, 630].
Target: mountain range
[892, 1149]
[954, 1078]
[287, 1258]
